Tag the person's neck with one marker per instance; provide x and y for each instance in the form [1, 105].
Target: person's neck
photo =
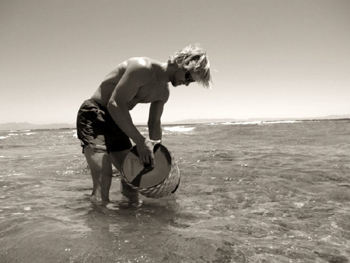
[166, 72]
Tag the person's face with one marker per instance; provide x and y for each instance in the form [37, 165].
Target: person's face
[182, 77]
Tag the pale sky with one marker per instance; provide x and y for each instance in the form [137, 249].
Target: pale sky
[273, 58]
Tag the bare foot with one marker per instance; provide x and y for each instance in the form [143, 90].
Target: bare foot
[99, 201]
[131, 200]
[111, 206]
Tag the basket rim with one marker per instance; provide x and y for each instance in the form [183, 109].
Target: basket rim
[171, 160]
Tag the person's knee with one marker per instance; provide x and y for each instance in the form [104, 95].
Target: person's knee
[117, 158]
[89, 153]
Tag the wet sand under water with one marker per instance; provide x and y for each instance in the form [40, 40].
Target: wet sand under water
[249, 193]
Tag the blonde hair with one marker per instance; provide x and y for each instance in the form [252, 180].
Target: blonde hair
[195, 59]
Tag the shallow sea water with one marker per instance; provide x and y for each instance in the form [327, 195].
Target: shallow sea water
[269, 193]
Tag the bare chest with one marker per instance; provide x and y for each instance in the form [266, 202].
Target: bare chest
[150, 93]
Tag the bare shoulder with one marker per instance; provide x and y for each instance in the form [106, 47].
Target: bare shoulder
[140, 67]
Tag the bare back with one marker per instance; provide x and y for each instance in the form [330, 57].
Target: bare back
[151, 91]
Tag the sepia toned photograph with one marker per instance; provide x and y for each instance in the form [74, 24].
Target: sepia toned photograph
[175, 131]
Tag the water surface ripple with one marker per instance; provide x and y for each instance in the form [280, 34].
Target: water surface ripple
[272, 193]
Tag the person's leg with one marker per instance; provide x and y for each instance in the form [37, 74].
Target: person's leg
[92, 130]
[117, 158]
[101, 172]
[130, 195]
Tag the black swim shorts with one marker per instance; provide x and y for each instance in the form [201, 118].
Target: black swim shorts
[96, 129]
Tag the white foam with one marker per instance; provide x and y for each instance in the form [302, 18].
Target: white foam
[72, 131]
[179, 129]
[241, 123]
[13, 134]
[257, 122]
[75, 134]
[3, 137]
[274, 122]
[29, 133]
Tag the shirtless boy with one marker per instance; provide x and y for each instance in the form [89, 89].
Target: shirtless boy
[104, 124]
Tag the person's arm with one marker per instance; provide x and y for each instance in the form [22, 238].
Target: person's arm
[135, 76]
[154, 120]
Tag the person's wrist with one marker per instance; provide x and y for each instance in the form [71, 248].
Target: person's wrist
[140, 140]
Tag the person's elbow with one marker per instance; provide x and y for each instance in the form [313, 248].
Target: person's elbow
[112, 105]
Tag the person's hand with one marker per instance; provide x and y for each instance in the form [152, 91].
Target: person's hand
[145, 151]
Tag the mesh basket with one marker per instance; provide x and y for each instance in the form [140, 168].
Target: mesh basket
[165, 176]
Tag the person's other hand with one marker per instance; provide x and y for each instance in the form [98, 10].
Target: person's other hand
[145, 151]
